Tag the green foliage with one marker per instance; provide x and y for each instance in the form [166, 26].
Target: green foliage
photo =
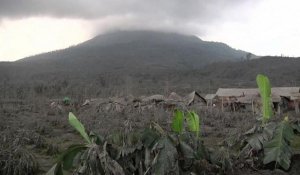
[149, 137]
[296, 126]
[192, 119]
[271, 143]
[258, 135]
[78, 126]
[68, 157]
[193, 122]
[177, 124]
[265, 93]
[55, 170]
[278, 149]
[67, 101]
[154, 151]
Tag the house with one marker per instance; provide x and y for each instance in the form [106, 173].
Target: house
[296, 98]
[174, 97]
[173, 101]
[154, 98]
[283, 98]
[286, 98]
[237, 98]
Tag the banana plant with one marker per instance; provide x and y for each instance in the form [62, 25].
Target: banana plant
[178, 119]
[193, 122]
[279, 149]
[87, 152]
[65, 160]
[153, 151]
[273, 142]
[265, 93]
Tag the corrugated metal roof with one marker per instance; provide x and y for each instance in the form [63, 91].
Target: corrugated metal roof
[236, 92]
[239, 92]
[210, 96]
[248, 99]
[285, 91]
[248, 95]
[295, 96]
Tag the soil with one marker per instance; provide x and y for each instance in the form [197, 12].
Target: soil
[49, 133]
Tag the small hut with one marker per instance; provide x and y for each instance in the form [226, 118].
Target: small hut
[154, 99]
[236, 98]
[173, 101]
[288, 98]
[296, 98]
[174, 97]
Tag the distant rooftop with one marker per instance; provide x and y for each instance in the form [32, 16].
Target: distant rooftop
[276, 92]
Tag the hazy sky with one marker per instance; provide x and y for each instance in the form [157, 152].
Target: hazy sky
[263, 27]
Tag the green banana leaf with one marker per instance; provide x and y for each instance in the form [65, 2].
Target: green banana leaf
[193, 122]
[70, 154]
[177, 124]
[78, 126]
[265, 93]
[55, 170]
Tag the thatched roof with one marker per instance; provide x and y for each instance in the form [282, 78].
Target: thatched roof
[174, 97]
[247, 95]
[295, 96]
[191, 97]
[285, 91]
[154, 98]
[210, 96]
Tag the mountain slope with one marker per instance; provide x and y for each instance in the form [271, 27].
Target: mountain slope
[139, 63]
[128, 50]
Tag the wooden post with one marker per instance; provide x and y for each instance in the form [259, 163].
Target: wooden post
[252, 106]
[233, 106]
[211, 106]
[222, 105]
[296, 102]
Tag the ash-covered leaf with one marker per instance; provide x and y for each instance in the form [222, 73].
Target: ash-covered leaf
[167, 159]
[278, 149]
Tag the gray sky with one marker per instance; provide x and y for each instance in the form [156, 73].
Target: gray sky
[264, 27]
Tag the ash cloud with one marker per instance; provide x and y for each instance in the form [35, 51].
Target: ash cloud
[174, 15]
